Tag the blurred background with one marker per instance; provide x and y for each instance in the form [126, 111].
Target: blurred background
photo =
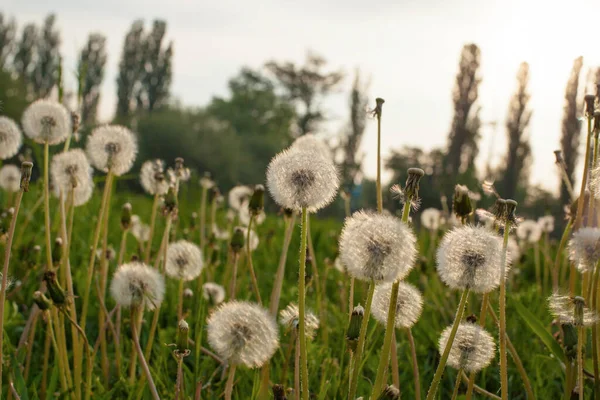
[474, 90]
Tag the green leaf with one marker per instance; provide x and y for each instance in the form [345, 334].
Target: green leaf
[538, 328]
[20, 385]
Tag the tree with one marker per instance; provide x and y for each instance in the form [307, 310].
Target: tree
[92, 61]
[514, 173]
[350, 143]
[130, 68]
[24, 59]
[464, 133]
[305, 86]
[46, 70]
[156, 73]
[571, 127]
[8, 30]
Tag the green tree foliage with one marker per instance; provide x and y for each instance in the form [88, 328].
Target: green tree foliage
[46, 70]
[13, 97]
[514, 173]
[24, 59]
[130, 70]
[8, 30]
[306, 86]
[92, 61]
[571, 128]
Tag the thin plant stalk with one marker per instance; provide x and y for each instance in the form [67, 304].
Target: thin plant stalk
[415, 363]
[538, 271]
[61, 375]
[502, 301]
[180, 300]
[586, 166]
[297, 369]
[47, 207]
[442, 364]
[232, 283]
[394, 362]
[559, 257]
[250, 264]
[484, 306]
[142, 359]
[3, 288]
[580, 339]
[302, 306]
[47, 344]
[152, 227]
[457, 384]
[88, 355]
[203, 218]
[230, 380]
[179, 381]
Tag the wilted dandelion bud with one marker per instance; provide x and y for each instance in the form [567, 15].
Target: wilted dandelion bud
[135, 284]
[109, 255]
[589, 105]
[26, 168]
[170, 202]
[377, 247]
[257, 201]
[279, 392]
[461, 202]
[237, 240]
[311, 143]
[390, 392]
[46, 121]
[10, 178]
[290, 317]
[529, 231]
[470, 258]
[57, 294]
[213, 292]
[184, 260]
[126, 216]
[152, 177]
[511, 213]
[430, 218]
[183, 330]
[112, 147]
[243, 333]
[302, 179]
[473, 347]
[572, 310]
[57, 251]
[41, 300]
[353, 331]
[410, 193]
[546, 223]
[10, 138]
[376, 112]
[408, 308]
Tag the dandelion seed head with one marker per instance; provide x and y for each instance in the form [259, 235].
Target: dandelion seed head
[546, 223]
[584, 248]
[298, 178]
[530, 231]
[377, 247]
[243, 333]
[139, 230]
[10, 178]
[470, 257]
[289, 317]
[430, 218]
[71, 171]
[310, 143]
[213, 292]
[244, 215]
[408, 308]
[220, 234]
[184, 260]
[473, 348]
[135, 283]
[112, 147]
[46, 121]
[237, 195]
[152, 177]
[513, 251]
[206, 182]
[10, 138]
[564, 309]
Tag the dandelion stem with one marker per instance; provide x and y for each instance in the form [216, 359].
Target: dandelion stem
[379, 192]
[47, 343]
[230, 380]
[580, 338]
[502, 301]
[442, 364]
[559, 257]
[180, 301]
[302, 304]
[457, 384]
[586, 166]
[538, 270]
[47, 207]
[236, 258]
[249, 261]
[394, 362]
[203, 218]
[484, 307]
[140, 353]
[415, 363]
[297, 369]
[152, 227]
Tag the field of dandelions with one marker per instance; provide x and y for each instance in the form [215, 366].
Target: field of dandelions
[189, 293]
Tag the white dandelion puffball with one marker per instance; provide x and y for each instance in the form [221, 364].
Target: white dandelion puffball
[254, 241]
[112, 147]
[430, 218]
[470, 257]
[152, 177]
[546, 223]
[310, 143]
[290, 317]
[244, 215]
[243, 333]
[584, 248]
[213, 292]
[10, 178]
[135, 284]
[46, 121]
[139, 230]
[206, 182]
[238, 195]
[530, 231]
[220, 234]
[563, 308]
[298, 178]
[184, 260]
[377, 247]
[71, 171]
[408, 308]
[513, 251]
[10, 138]
[473, 348]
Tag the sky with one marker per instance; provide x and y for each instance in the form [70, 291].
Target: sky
[408, 49]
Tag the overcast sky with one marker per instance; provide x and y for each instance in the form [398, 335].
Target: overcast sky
[408, 48]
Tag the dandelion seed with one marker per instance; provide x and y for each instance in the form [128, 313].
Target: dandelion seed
[530, 231]
[152, 177]
[377, 247]
[572, 310]
[243, 333]
[184, 260]
[290, 317]
[470, 258]
[238, 195]
[46, 121]
[472, 350]
[135, 284]
[213, 292]
[71, 172]
[546, 223]
[112, 147]
[109, 255]
[310, 143]
[584, 248]
[408, 308]
[430, 218]
[298, 179]
[10, 138]
[10, 178]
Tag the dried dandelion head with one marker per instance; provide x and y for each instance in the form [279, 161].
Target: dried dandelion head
[238, 195]
[584, 248]
[289, 317]
[46, 121]
[139, 230]
[430, 218]
[572, 310]
[244, 215]
[152, 177]
[546, 223]
[530, 231]
[470, 258]
[377, 247]
[10, 178]
[408, 307]
[298, 179]
[213, 292]
[135, 284]
[410, 192]
[184, 260]
[71, 171]
[243, 333]
[473, 347]
[112, 147]
[10, 138]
